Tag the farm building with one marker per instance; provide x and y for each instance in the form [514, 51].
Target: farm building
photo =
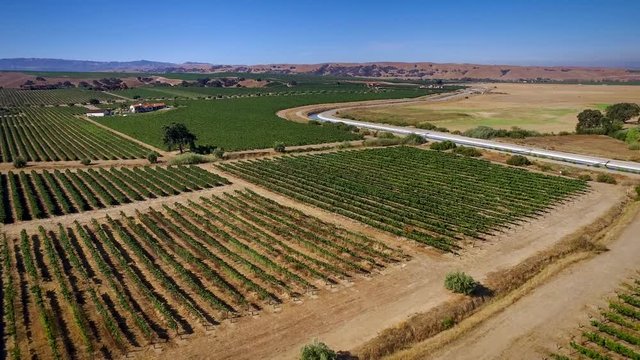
[99, 113]
[140, 108]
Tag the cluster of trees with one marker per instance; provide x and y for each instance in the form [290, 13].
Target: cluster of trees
[595, 122]
[216, 82]
[104, 84]
[31, 85]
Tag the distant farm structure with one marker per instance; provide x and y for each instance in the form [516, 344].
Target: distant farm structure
[147, 107]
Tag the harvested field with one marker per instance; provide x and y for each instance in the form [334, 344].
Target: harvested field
[541, 107]
[596, 145]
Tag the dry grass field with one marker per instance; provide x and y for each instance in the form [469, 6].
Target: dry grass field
[541, 107]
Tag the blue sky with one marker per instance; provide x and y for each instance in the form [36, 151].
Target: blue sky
[557, 32]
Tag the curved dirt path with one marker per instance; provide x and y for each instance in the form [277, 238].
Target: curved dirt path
[548, 317]
[299, 114]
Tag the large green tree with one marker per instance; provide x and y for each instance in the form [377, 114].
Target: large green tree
[177, 135]
[623, 112]
[589, 121]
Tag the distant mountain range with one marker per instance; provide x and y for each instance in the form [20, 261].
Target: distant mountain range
[420, 70]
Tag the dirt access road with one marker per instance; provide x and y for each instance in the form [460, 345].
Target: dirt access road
[548, 317]
[349, 315]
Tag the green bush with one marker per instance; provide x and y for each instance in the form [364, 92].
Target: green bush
[486, 132]
[280, 147]
[634, 146]
[344, 145]
[414, 139]
[317, 351]
[152, 157]
[382, 142]
[385, 135]
[460, 282]
[218, 152]
[467, 151]
[632, 136]
[585, 177]
[448, 323]
[190, 158]
[443, 145]
[85, 161]
[518, 160]
[637, 188]
[426, 125]
[19, 162]
[606, 178]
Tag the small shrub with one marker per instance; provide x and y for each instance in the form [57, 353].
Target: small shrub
[518, 160]
[467, 151]
[637, 188]
[317, 351]
[426, 125]
[382, 142]
[563, 133]
[280, 147]
[85, 161]
[152, 157]
[386, 135]
[19, 162]
[190, 159]
[414, 139]
[460, 282]
[448, 323]
[443, 145]
[584, 177]
[606, 178]
[218, 153]
[344, 145]
[634, 146]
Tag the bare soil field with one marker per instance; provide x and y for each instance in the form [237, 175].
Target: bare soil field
[355, 314]
[597, 145]
[549, 316]
[541, 107]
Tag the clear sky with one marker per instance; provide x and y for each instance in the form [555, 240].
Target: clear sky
[536, 32]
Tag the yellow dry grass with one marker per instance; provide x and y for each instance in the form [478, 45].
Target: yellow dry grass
[541, 107]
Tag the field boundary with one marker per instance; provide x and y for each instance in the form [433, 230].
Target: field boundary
[504, 288]
[125, 136]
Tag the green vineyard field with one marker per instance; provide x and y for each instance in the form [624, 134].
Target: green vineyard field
[37, 195]
[55, 134]
[431, 197]
[246, 122]
[114, 285]
[615, 334]
[14, 97]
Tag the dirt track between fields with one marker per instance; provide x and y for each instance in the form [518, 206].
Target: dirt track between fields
[299, 114]
[356, 312]
[550, 315]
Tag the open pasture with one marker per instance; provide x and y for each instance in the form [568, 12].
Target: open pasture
[540, 107]
[434, 198]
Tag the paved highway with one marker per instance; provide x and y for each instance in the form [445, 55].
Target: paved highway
[611, 164]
